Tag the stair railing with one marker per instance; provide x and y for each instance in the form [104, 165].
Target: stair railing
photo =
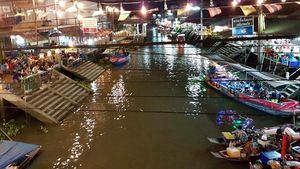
[298, 70]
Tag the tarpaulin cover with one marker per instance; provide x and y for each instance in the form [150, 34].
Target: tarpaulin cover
[11, 151]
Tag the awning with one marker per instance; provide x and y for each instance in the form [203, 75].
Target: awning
[124, 15]
[135, 20]
[270, 79]
[11, 151]
[109, 50]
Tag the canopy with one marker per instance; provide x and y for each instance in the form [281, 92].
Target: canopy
[124, 15]
[272, 80]
[109, 50]
[135, 20]
[11, 151]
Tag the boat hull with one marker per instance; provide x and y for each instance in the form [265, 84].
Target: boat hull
[218, 140]
[223, 155]
[119, 61]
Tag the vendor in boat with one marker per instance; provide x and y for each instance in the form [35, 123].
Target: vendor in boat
[121, 53]
[212, 69]
[250, 148]
[256, 87]
[240, 135]
[275, 96]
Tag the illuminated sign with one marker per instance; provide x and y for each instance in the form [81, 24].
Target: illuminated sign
[242, 26]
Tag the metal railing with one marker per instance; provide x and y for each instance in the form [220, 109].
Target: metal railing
[72, 63]
[31, 83]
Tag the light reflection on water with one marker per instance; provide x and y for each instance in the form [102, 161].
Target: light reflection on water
[80, 144]
[116, 139]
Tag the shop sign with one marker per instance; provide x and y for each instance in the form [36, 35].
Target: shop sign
[242, 26]
[89, 25]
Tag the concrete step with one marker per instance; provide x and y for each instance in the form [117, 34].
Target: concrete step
[57, 107]
[62, 111]
[79, 95]
[52, 104]
[87, 70]
[49, 101]
[295, 87]
[63, 114]
[290, 90]
[95, 75]
[39, 98]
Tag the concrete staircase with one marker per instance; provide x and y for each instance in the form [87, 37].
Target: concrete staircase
[86, 70]
[214, 47]
[229, 50]
[292, 90]
[52, 102]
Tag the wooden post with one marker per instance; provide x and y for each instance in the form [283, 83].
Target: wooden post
[35, 22]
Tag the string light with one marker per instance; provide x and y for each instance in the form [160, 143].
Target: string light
[121, 7]
[234, 3]
[259, 2]
[211, 3]
[143, 9]
[62, 3]
[188, 7]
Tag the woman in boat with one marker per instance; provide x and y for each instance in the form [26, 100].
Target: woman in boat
[249, 147]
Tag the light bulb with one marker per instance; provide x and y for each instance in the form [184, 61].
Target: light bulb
[62, 3]
[144, 10]
[234, 3]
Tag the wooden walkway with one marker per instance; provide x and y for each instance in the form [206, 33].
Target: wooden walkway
[52, 101]
[87, 70]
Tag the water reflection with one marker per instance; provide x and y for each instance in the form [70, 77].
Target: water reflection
[115, 139]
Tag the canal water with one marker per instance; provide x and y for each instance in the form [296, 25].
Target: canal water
[151, 113]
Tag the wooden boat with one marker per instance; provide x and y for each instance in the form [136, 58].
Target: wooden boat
[16, 154]
[287, 108]
[117, 61]
[218, 140]
[223, 155]
[225, 140]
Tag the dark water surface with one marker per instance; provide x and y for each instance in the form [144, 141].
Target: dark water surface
[148, 114]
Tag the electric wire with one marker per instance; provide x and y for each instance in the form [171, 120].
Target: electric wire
[145, 111]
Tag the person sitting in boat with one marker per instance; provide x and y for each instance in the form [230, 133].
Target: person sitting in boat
[121, 53]
[275, 95]
[240, 135]
[247, 88]
[212, 69]
[256, 87]
[249, 147]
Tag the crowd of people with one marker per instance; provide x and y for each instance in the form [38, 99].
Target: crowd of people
[25, 65]
[72, 58]
[256, 89]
